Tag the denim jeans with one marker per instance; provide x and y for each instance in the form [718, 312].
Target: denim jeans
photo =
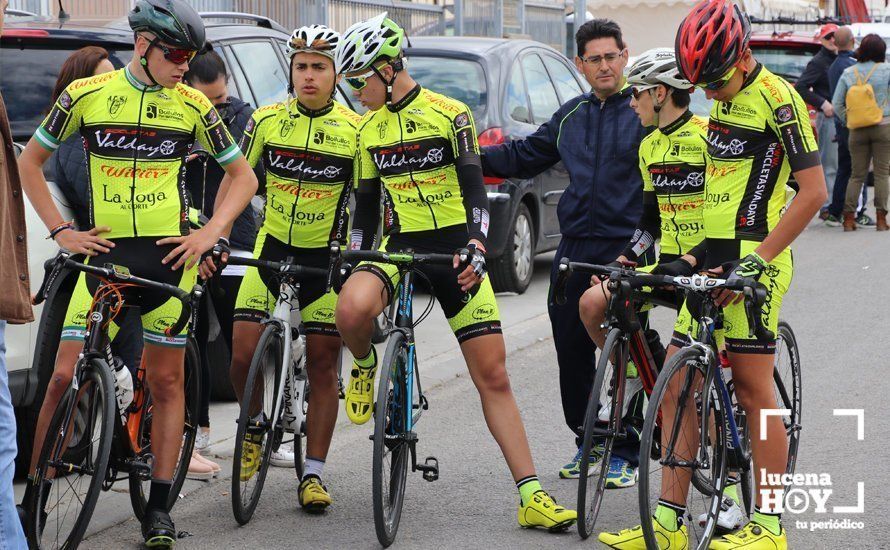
[828, 152]
[11, 535]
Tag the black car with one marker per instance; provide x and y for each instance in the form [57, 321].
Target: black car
[32, 51]
[512, 87]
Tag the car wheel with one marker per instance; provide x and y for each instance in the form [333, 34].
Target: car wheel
[512, 270]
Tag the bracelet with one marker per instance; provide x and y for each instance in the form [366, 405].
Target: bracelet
[759, 259]
[58, 229]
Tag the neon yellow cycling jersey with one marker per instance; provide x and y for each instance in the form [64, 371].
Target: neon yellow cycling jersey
[414, 148]
[672, 162]
[755, 141]
[137, 139]
[309, 158]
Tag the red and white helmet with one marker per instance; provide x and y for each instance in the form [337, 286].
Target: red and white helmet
[711, 39]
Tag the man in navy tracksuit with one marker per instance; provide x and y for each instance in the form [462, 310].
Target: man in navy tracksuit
[597, 137]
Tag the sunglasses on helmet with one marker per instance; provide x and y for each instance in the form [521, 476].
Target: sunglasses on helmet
[177, 56]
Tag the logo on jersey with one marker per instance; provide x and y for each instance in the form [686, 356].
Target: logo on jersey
[726, 108]
[461, 120]
[285, 127]
[675, 150]
[381, 129]
[115, 104]
[483, 312]
[212, 117]
[784, 113]
[330, 122]
[410, 126]
[153, 110]
[734, 147]
[318, 137]
[65, 100]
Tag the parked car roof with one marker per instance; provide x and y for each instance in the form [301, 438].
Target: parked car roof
[471, 44]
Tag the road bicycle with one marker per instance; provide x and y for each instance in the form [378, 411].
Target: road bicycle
[606, 418]
[275, 399]
[695, 420]
[400, 399]
[91, 442]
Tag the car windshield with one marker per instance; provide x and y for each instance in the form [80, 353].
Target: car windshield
[28, 78]
[788, 63]
[461, 79]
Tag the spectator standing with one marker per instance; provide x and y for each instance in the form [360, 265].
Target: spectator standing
[597, 137]
[207, 73]
[814, 88]
[15, 307]
[843, 39]
[868, 144]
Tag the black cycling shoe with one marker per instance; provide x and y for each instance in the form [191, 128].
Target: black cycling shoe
[158, 530]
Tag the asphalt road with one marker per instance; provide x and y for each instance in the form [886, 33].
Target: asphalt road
[837, 305]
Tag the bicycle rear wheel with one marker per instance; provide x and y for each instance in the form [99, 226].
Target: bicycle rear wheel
[73, 461]
[692, 466]
[139, 483]
[391, 447]
[607, 385]
[256, 422]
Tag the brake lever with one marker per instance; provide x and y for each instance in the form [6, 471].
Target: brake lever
[563, 272]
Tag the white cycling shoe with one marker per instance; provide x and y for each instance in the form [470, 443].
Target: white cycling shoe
[283, 457]
[731, 516]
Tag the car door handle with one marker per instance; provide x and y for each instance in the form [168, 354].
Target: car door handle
[551, 198]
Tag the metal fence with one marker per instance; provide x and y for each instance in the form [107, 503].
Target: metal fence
[542, 20]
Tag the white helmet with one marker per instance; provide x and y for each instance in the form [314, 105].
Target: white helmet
[657, 66]
[314, 39]
[368, 41]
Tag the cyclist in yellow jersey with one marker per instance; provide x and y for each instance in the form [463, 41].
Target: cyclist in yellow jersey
[138, 125]
[758, 134]
[418, 150]
[672, 165]
[307, 146]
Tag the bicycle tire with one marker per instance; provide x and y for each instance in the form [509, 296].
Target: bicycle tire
[97, 387]
[390, 417]
[192, 385]
[300, 433]
[710, 489]
[266, 364]
[588, 511]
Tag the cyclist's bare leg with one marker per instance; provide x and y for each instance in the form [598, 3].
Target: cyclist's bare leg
[752, 376]
[592, 309]
[675, 481]
[164, 371]
[324, 402]
[66, 357]
[486, 361]
[245, 337]
[362, 298]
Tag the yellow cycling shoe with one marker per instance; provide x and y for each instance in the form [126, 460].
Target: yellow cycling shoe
[542, 511]
[751, 537]
[250, 457]
[314, 497]
[633, 539]
[360, 394]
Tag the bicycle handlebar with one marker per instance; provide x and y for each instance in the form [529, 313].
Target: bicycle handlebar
[754, 292]
[63, 260]
[287, 266]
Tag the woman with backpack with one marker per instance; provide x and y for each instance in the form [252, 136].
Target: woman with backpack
[861, 103]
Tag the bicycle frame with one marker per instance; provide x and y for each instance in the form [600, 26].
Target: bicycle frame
[287, 304]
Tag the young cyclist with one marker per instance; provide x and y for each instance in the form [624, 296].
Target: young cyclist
[307, 146]
[418, 150]
[138, 126]
[758, 133]
[672, 165]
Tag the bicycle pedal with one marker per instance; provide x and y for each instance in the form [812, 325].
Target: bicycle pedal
[430, 468]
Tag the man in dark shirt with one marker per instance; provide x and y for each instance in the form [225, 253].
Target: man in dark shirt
[814, 89]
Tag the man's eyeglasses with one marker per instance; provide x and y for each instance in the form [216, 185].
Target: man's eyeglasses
[610, 58]
[718, 84]
[637, 91]
[359, 82]
[177, 56]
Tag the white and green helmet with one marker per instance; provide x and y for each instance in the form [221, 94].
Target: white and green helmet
[366, 42]
[657, 66]
[314, 39]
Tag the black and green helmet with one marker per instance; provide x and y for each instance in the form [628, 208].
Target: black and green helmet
[173, 21]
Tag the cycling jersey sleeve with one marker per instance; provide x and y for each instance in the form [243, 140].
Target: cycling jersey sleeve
[66, 115]
[367, 202]
[213, 135]
[648, 228]
[252, 139]
[790, 120]
[469, 176]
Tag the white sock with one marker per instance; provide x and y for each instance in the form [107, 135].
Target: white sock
[313, 467]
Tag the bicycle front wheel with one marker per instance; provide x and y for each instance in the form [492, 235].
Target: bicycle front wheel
[606, 393]
[691, 469]
[391, 447]
[73, 461]
[258, 432]
[139, 483]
